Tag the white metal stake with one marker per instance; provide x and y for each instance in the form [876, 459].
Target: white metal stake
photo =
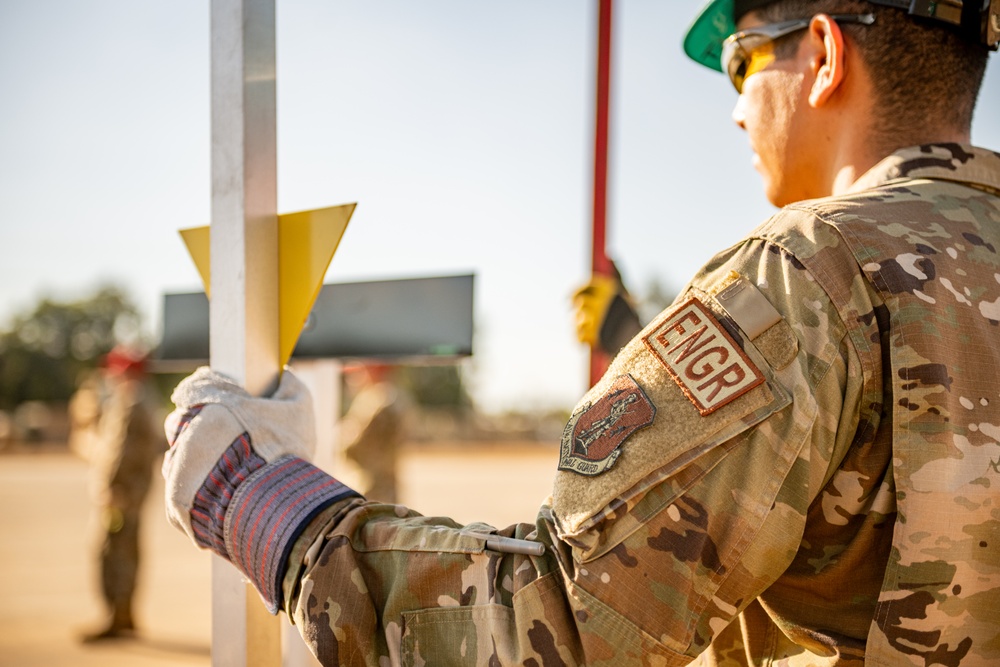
[244, 257]
[322, 378]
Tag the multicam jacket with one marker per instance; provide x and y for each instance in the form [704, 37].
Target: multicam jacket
[794, 464]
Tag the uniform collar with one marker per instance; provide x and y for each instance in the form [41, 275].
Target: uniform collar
[961, 163]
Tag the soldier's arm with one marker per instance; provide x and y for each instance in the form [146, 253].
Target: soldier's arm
[742, 400]
[702, 509]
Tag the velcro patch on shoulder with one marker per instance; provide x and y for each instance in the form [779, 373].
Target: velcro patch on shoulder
[592, 437]
[704, 403]
[702, 358]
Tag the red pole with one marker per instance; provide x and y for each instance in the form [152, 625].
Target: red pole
[599, 259]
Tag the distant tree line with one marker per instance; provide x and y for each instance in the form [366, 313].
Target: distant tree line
[44, 352]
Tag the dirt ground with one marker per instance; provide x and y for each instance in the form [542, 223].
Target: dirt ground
[48, 589]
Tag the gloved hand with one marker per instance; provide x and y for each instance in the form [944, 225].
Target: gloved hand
[238, 480]
[212, 413]
[604, 315]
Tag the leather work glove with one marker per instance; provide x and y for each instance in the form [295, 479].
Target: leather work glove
[238, 480]
[604, 315]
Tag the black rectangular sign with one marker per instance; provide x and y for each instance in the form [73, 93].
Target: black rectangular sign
[413, 317]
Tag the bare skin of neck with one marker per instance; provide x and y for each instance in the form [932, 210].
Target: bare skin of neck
[861, 140]
[860, 153]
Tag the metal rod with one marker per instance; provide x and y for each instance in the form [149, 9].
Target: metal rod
[599, 259]
[244, 259]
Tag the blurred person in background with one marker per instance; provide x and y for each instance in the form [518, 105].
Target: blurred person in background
[115, 418]
[374, 426]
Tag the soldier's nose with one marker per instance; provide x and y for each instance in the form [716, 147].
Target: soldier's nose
[739, 116]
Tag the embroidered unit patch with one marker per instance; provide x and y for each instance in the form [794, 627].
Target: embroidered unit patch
[592, 437]
[701, 357]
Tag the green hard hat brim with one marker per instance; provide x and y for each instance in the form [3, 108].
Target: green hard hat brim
[703, 41]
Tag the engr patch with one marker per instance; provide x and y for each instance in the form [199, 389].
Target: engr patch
[592, 437]
[702, 358]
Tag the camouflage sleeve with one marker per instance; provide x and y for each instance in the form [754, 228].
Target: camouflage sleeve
[372, 582]
[685, 479]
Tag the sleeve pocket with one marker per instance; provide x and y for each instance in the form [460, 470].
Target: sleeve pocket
[539, 626]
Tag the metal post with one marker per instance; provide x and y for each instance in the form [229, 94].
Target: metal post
[599, 259]
[322, 377]
[244, 257]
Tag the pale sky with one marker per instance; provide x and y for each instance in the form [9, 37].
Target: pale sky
[464, 130]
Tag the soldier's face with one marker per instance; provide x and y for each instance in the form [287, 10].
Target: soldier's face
[773, 109]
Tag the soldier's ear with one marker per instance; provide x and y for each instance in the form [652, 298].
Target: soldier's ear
[826, 52]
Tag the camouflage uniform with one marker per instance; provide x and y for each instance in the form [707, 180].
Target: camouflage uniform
[125, 447]
[794, 464]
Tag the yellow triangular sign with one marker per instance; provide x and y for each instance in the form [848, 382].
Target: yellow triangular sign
[199, 247]
[307, 241]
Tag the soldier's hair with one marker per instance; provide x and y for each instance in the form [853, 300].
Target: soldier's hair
[921, 70]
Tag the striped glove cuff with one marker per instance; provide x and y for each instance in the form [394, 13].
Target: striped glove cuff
[250, 512]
